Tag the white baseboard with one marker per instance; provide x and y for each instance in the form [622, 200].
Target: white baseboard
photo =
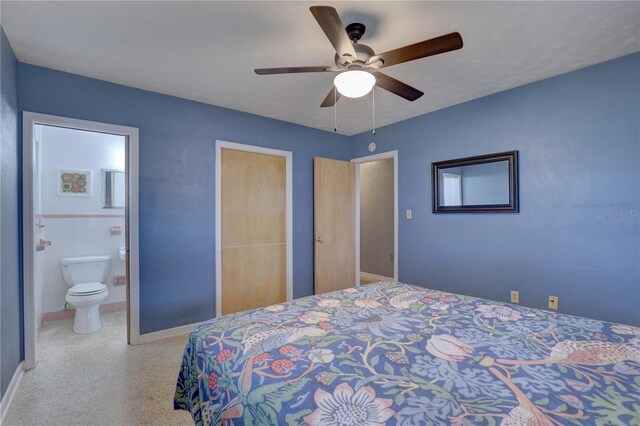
[375, 277]
[11, 391]
[164, 334]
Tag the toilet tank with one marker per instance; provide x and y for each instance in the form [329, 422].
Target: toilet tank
[85, 269]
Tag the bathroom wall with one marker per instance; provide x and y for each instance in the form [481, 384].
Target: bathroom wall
[78, 225]
[39, 230]
[376, 217]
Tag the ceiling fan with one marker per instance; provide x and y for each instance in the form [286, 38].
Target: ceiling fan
[358, 63]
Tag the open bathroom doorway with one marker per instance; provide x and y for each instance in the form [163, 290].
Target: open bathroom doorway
[80, 229]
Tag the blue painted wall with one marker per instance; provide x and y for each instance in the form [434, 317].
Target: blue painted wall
[10, 258]
[177, 157]
[577, 235]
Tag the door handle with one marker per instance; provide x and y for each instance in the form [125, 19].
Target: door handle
[320, 239]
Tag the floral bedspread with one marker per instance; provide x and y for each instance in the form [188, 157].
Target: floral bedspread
[390, 353]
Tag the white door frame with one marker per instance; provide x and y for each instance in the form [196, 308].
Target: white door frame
[288, 155]
[368, 159]
[29, 120]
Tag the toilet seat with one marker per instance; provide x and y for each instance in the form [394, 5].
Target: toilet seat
[87, 289]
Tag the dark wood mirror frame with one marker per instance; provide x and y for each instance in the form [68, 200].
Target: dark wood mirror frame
[511, 207]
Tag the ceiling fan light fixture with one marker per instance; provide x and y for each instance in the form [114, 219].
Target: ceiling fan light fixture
[354, 83]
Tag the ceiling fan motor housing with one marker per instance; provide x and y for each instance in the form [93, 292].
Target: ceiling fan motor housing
[363, 53]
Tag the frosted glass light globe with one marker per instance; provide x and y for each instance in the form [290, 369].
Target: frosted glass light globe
[354, 84]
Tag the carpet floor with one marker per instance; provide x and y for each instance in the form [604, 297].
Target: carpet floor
[97, 379]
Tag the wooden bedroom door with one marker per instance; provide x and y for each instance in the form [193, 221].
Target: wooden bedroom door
[334, 224]
[253, 213]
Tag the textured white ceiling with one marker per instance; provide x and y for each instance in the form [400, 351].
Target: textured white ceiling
[206, 51]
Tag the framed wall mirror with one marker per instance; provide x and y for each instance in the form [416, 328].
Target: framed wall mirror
[113, 189]
[485, 183]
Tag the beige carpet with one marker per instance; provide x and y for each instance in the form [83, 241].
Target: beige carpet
[98, 379]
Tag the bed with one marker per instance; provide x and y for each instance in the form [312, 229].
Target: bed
[391, 353]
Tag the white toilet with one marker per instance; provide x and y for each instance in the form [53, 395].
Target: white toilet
[84, 276]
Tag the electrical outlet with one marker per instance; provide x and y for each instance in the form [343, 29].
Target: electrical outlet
[515, 296]
[553, 302]
[409, 214]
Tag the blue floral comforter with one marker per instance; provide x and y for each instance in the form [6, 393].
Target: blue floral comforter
[390, 353]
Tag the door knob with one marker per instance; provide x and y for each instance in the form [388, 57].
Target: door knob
[320, 239]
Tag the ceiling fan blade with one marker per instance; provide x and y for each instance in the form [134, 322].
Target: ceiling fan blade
[291, 70]
[434, 46]
[396, 86]
[331, 98]
[330, 22]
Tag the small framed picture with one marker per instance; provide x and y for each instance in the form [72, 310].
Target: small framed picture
[75, 183]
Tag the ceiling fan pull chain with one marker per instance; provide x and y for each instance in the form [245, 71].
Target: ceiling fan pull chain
[373, 97]
[335, 109]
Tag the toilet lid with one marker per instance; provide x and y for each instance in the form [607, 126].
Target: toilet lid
[87, 289]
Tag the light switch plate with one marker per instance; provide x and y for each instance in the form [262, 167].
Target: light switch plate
[409, 214]
[553, 302]
[515, 296]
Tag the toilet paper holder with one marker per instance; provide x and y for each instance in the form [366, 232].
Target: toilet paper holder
[42, 244]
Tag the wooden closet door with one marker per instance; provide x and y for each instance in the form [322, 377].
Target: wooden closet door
[334, 225]
[253, 228]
